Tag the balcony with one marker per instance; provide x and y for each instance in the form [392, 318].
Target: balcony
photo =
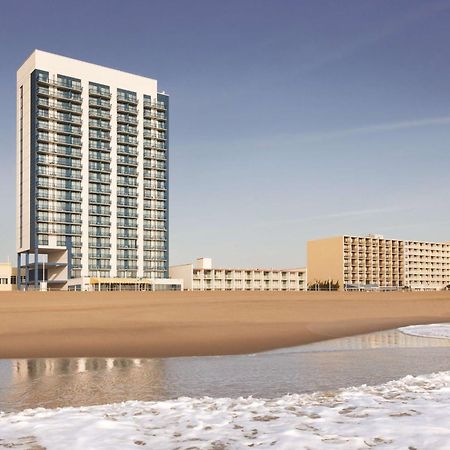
[99, 221]
[58, 139]
[125, 108]
[99, 113]
[161, 155]
[59, 150]
[124, 149]
[99, 178]
[124, 201]
[155, 104]
[132, 182]
[99, 156]
[99, 146]
[127, 98]
[101, 135]
[153, 135]
[127, 170]
[63, 196]
[102, 189]
[125, 139]
[64, 162]
[99, 267]
[58, 105]
[99, 103]
[126, 233]
[55, 172]
[127, 119]
[66, 129]
[154, 145]
[60, 117]
[154, 115]
[121, 128]
[129, 214]
[100, 124]
[96, 232]
[99, 92]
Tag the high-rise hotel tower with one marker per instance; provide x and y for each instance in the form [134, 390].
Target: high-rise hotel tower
[92, 175]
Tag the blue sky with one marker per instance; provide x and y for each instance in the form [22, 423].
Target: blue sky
[290, 120]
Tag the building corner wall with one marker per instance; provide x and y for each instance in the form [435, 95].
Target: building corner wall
[325, 260]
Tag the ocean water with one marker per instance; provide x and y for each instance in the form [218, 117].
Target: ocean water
[360, 392]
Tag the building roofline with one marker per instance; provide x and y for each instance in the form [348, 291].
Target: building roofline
[37, 51]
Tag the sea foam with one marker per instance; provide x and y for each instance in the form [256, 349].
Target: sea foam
[412, 412]
[435, 330]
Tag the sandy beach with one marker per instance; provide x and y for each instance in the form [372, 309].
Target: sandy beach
[139, 324]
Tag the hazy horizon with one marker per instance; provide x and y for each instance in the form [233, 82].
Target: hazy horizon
[289, 120]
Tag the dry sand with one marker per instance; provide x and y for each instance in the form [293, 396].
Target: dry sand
[140, 324]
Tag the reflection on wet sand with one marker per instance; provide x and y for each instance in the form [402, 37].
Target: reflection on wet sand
[381, 339]
[371, 359]
[54, 382]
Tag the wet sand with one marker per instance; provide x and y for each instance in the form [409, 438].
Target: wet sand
[153, 324]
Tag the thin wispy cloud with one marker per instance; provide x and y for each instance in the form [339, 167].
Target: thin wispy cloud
[338, 215]
[391, 28]
[376, 128]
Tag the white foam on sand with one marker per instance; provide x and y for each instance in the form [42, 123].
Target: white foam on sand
[409, 413]
[435, 330]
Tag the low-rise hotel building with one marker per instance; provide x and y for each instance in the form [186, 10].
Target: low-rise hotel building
[8, 277]
[373, 262]
[201, 276]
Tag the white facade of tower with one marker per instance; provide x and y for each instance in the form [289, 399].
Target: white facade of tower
[92, 172]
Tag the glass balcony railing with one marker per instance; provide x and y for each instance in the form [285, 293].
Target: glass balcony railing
[154, 145]
[121, 128]
[99, 145]
[99, 178]
[59, 195]
[127, 98]
[101, 124]
[130, 214]
[67, 162]
[154, 104]
[94, 134]
[154, 165]
[127, 160]
[154, 154]
[99, 103]
[127, 170]
[99, 221]
[100, 211]
[125, 139]
[43, 125]
[124, 149]
[99, 113]
[55, 93]
[60, 117]
[123, 181]
[57, 172]
[100, 92]
[124, 201]
[58, 184]
[59, 105]
[123, 118]
[100, 156]
[99, 189]
[59, 150]
[124, 233]
[99, 167]
[126, 108]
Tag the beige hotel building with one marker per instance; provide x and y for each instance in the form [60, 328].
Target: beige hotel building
[373, 262]
[201, 276]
